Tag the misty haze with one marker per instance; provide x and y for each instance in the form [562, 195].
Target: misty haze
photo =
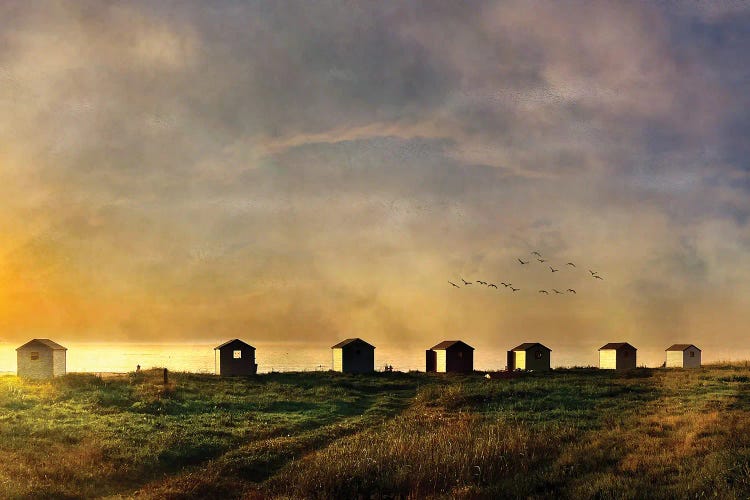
[395, 249]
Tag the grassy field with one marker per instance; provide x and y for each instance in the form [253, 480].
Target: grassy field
[571, 433]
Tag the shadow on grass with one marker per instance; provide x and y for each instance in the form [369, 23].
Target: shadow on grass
[742, 401]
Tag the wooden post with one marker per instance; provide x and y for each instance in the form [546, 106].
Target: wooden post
[166, 376]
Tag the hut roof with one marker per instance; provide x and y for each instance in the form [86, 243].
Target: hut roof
[346, 342]
[528, 345]
[680, 347]
[447, 344]
[616, 346]
[44, 342]
[233, 341]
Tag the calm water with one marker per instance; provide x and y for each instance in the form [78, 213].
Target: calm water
[270, 356]
[299, 356]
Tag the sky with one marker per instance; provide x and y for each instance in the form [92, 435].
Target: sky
[312, 171]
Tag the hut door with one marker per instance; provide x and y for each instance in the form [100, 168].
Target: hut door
[511, 361]
[431, 361]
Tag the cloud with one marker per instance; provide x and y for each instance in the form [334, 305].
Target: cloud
[305, 170]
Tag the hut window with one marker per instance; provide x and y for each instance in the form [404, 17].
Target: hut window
[34, 355]
[692, 354]
[538, 355]
[237, 354]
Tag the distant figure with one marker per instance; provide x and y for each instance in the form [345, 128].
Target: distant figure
[389, 368]
[166, 376]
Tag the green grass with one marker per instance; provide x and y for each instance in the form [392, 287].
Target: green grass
[576, 433]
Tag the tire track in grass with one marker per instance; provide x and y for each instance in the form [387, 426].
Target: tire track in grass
[682, 444]
[236, 473]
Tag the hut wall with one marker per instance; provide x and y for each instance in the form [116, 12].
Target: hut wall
[58, 363]
[459, 361]
[537, 364]
[693, 361]
[40, 368]
[231, 366]
[608, 359]
[358, 359]
[675, 359]
[626, 359]
[338, 360]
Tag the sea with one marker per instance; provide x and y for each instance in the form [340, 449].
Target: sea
[121, 357]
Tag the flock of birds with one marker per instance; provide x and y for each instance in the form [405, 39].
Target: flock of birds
[542, 260]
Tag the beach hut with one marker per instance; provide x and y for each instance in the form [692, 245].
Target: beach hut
[40, 359]
[235, 358]
[529, 356]
[683, 356]
[353, 356]
[617, 356]
[450, 356]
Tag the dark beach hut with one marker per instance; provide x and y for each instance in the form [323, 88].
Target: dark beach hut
[353, 356]
[235, 358]
[617, 356]
[529, 356]
[40, 359]
[450, 356]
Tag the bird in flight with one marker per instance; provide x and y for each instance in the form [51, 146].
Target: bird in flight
[598, 277]
[544, 291]
[514, 289]
[481, 282]
[522, 262]
[571, 290]
[556, 291]
[536, 253]
[466, 282]
[593, 273]
[571, 264]
[553, 269]
[542, 260]
[492, 284]
[454, 284]
[506, 285]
